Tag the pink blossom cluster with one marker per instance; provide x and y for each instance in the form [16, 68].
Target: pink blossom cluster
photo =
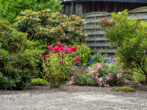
[119, 75]
[99, 67]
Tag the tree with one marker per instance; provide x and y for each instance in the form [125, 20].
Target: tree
[10, 9]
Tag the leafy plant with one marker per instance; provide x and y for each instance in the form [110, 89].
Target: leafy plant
[84, 53]
[39, 82]
[130, 37]
[17, 58]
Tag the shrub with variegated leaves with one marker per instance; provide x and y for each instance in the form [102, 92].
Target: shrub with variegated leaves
[50, 27]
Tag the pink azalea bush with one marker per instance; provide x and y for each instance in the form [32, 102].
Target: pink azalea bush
[57, 63]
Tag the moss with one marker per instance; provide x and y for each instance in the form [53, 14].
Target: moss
[39, 82]
[123, 89]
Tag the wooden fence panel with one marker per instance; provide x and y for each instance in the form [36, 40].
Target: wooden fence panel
[96, 40]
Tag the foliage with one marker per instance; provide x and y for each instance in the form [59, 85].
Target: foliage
[95, 59]
[99, 74]
[10, 9]
[130, 37]
[17, 58]
[39, 82]
[84, 53]
[57, 64]
[50, 28]
[82, 77]
[123, 89]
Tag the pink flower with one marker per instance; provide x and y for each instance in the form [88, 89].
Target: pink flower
[70, 83]
[119, 75]
[139, 84]
[77, 58]
[56, 49]
[59, 44]
[46, 56]
[100, 67]
[73, 49]
[60, 62]
[108, 77]
[127, 81]
[100, 81]
[50, 47]
[41, 56]
[114, 59]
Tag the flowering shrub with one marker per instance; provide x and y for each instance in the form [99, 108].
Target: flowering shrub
[50, 27]
[107, 74]
[58, 62]
[130, 37]
[99, 74]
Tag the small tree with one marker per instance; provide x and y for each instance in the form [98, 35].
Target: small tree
[130, 37]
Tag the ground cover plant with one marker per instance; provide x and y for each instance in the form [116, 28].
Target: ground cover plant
[130, 37]
[17, 58]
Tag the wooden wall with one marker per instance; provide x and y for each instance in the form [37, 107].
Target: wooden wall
[96, 40]
[83, 8]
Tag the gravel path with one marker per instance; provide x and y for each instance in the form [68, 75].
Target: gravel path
[72, 98]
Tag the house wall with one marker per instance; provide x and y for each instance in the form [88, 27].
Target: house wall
[83, 8]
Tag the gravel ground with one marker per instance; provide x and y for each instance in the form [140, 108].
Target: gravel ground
[72, 98]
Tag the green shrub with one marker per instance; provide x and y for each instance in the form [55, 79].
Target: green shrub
[17, 58]
[39, 82]
[123, 89]
[49, 28]
[10, 9]
[81, 77]
[84, 53]
[130, 37]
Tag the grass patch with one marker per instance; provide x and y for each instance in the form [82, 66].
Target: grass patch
[39, 82]
[124, 89]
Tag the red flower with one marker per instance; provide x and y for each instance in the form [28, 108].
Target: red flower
[56, 49]
[61, 49]
[68, 50]
[73, 49]
[59, 44]
[50, 47]
[60, 62]
[77, 58]
[46, 56]
[41, 56]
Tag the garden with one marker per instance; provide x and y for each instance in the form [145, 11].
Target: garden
[47, 48]
[42, 47]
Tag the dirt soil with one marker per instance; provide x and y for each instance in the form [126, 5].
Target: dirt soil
[73, 98]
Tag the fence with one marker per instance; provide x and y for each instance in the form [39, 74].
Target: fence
[96, 40]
